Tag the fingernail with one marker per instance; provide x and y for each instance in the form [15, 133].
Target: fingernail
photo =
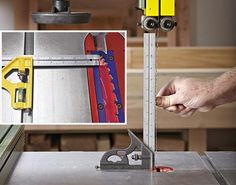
[158, 101]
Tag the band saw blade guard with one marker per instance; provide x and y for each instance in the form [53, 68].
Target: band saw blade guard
[61, 14]
[146, 157]
[157, 14]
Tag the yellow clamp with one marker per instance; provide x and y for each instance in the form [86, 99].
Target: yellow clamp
[21, 92]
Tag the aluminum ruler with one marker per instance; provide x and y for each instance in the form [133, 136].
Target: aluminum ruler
[59, 60]
[26, 114]
[149, 106]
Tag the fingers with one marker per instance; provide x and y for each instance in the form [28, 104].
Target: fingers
[163, 101]
[187, 112]
[176, 108]
[205, 109]
[173, 108]
[181, 110]
[158, 101]
[191, 112]
[166, 90]
[167, 101]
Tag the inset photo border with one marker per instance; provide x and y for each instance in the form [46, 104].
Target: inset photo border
[64, 77]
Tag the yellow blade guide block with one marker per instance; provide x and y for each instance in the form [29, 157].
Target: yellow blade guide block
[21, 92]
[166, 8]
[152, 8]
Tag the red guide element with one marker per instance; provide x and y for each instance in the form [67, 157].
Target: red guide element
[89, 47]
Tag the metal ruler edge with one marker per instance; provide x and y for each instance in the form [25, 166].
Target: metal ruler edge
[58, 60]
[149, 114]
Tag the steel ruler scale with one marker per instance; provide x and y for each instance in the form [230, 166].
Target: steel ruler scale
[149, 110]
[26, 114]
[59, 60]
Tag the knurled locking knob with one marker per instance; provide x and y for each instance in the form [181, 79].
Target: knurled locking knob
[167, 24]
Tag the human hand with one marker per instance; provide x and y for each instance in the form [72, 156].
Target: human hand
[184, 96]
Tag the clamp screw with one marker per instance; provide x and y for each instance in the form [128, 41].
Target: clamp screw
[119, 105]
[100, 106]
[111, 58]
[136, 157]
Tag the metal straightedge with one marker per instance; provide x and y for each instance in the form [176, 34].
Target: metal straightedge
[59, 60]
[149, 108]
[146, 157]
[21, 92]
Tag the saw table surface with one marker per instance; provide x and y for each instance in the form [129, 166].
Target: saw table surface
[225, 165]
[78, 168]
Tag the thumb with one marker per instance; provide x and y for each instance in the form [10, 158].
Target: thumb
[166, 101]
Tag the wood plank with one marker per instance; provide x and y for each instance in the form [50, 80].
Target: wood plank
[38, 142]
[171, 36]
[183, 27]
[121, 140]
[170, 144]
[221, 139]
[36, 139]
[186, 57]
[33, 7]
[138, 41]
[103, 142]
[78, 142]
[197, 140]
[21, 14]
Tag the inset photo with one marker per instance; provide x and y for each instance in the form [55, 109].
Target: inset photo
[60, 77]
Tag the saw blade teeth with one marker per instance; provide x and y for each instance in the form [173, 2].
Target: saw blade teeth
[115, 98]
[113, 86]
[102, 62]
[111, 77]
